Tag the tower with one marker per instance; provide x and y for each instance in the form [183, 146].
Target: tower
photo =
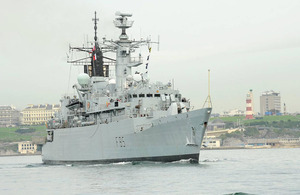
[124, 48]
[249, 105]
[270, 103]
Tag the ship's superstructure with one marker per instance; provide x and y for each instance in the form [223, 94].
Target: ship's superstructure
[123, 118]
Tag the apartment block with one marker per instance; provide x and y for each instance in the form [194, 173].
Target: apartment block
[9, 116]
[270, 103]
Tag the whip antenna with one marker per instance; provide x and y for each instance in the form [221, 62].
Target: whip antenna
[208, 99]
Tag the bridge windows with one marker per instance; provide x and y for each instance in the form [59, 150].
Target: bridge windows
[141, 95]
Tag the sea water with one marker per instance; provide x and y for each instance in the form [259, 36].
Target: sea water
[241, 171]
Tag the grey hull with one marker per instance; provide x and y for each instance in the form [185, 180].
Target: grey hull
[163, 139]
[190, 157]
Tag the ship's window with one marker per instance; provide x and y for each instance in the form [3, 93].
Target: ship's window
[130, 96]
[141, 95]
[149, 95]
[134, 95]
[156, 95]
[176, 95]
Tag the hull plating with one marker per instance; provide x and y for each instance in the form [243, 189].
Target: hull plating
[164, 139]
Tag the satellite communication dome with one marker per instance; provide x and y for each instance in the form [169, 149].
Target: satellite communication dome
[137, 77]
[83, 79]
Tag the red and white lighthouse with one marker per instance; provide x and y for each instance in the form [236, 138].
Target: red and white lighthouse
[249, 105]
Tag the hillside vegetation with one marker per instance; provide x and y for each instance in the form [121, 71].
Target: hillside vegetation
[263, 127]
[266, 121]
[16, 134]
[259, 119]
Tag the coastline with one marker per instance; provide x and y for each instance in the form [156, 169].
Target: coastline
[243, 147]
[17, 154]
[207, 148]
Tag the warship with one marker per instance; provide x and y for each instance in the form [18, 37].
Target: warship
[120, 116]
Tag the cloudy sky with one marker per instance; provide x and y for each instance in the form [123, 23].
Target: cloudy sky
[246, 45]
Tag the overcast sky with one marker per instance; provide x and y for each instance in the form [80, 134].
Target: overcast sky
[246, 45]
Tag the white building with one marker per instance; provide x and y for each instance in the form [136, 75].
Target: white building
[234, 112]
[39, 114]
[211, 143]
[27, 147]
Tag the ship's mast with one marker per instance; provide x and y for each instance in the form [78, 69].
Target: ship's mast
[123, 48]
[124, 61]
[97, 55]
[93, 64]
[95, 26]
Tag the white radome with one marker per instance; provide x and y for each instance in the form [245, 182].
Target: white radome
[137, 77]
[83, 79]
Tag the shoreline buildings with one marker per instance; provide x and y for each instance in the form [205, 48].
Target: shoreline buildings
[39, 114]
[27, 147]
[234, 112]
[9, 116]
[270, 103]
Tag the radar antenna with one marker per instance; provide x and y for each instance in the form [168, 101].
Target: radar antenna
[123, 23]
[95, 27]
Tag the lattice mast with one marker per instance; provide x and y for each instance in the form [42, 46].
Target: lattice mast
[93, 64]
[124, 48]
